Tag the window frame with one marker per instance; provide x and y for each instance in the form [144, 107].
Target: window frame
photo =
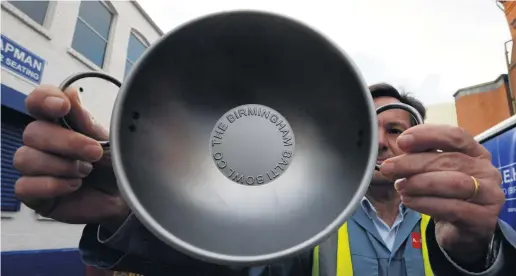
[107, 51]
[141, 38]
[42, 29]
[45, 18]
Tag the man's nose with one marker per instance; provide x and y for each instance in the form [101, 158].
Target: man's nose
[382, 140]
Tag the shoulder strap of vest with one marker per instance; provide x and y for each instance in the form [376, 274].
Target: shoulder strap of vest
[315, 262]
[344, 264]
[425, 219]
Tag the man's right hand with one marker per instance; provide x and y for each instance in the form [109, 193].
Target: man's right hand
[66, 175]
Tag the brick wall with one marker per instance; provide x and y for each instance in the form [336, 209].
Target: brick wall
[510, 13]
[482, 106]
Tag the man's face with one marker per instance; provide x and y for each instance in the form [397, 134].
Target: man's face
[391, 124]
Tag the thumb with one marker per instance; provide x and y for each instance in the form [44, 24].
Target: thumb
[82, 120]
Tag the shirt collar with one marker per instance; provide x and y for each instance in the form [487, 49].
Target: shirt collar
[371, 212]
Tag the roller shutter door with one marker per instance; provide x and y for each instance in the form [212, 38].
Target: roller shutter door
[12, 134]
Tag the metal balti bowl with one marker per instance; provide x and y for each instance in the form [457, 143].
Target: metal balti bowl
[243, 137]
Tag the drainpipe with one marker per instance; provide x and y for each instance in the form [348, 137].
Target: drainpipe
[498, 5]
[512, 104]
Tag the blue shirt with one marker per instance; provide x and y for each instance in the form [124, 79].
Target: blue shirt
[387, 233]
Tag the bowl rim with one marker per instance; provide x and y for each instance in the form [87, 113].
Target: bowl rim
[209, 256]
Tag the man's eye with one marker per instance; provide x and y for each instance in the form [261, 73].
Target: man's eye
[395, 131]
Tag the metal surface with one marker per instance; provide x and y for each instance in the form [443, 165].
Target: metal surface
[303, 138]
[252, 144]
[418, 119]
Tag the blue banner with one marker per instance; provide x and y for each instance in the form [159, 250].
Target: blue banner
[503, 152]
[21, 61]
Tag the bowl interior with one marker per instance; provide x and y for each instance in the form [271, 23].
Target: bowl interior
[186, 83]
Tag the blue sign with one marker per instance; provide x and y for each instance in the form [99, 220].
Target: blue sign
[21, 61]
[503, 152]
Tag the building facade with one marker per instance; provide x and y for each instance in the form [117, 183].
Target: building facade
[487, 110]
[482, 106]
[509, 10]
[442, 113]
[44, 42]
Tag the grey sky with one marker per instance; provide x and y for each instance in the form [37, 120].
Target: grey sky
[429, 47]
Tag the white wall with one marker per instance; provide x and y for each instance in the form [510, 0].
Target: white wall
[52, 42]
[442, 113]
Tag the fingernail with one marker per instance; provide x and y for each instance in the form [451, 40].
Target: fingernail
[405, 139]
[388, 171]
[79, 97]
[387, 167]
[400, 184]
[53, 102]
[76, 183]
[88, 116]
[93, 153]
[85, 168]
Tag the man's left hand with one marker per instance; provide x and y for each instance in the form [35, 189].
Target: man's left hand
[439, 167]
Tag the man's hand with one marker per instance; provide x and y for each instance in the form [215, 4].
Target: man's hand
[437, 170]
[66, 175]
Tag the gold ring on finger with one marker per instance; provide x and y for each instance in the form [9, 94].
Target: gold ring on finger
[476, 187]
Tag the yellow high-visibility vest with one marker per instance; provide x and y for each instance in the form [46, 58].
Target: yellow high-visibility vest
[344, 265]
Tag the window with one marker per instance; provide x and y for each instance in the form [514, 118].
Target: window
[134, 51]
[92, 31]
[36, 10]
